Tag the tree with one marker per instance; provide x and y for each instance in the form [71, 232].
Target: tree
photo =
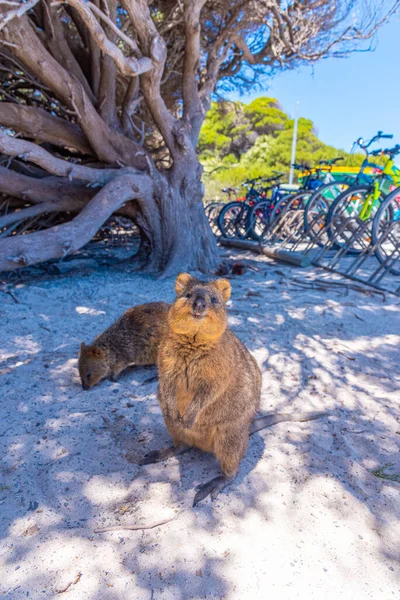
[103, 101]
[241, 141]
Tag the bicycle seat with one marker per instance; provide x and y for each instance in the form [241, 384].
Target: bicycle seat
[331, 161]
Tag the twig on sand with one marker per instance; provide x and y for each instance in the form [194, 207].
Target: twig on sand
[324, 284]
[73, 582]
[9, 292]
[134, 527]
[346, 356]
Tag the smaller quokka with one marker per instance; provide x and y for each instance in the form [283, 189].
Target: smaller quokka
[133, 339]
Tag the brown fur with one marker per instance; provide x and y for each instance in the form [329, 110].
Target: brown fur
[209, 383]
[133, 339]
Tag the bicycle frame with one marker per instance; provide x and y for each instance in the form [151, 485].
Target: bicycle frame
[389, 175]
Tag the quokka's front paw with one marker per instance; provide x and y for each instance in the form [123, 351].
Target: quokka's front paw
[186, 421]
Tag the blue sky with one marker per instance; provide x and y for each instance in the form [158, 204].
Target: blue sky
[347, 98]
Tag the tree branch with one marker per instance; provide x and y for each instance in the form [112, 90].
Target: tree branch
[152, 45]
[17, 13]
[31, 152]
[59, 47]
[40, 209]
[193, 109]
[125, 38]
[46, 189]
[129, 66]
[108, 73]
[61, 240]
[109, 146]
[38, 124]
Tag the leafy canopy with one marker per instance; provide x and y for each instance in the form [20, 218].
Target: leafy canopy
[240, 141]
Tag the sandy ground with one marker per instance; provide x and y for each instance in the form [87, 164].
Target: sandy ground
[306, 517]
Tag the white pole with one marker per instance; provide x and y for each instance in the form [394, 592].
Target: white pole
[294, 143]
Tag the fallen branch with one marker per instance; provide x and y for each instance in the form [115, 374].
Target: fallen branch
[293, 258]
[135, 527]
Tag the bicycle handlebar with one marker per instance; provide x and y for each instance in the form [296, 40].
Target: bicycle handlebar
[380, 135]
[300, 167]
[391, 151]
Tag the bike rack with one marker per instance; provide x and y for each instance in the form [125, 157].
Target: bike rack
[327, 250]
[334, 251]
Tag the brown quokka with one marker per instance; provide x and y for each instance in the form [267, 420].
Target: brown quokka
[209, 383]
[133, 339]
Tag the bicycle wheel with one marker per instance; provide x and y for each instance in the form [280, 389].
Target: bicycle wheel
[210, 207]
[286, 219]
[212, 211]
[232, 220]
[257, 220]
[317, 208]
[386, 233]
[344, 227]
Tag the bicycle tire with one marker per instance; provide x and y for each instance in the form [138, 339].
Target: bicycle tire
[384, 233]
[231, 219]
[212, 211]
[344, 228]
[210, 206]
[258, 219]
[316, 211]
[287, 221]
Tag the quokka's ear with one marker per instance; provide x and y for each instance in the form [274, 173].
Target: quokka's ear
[96, 352]
[83, 347]
[224, 288]
[181, 282]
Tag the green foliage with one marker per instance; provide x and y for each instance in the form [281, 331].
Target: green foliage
[240, 141]
[265, 116]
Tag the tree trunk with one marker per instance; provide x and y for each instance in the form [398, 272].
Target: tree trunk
[188, 243]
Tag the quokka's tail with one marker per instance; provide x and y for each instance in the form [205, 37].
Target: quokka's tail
[270, 419]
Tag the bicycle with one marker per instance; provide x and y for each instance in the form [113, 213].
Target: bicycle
[349, 218]
[232, 220]
[317, 207]
[260, 215]
[279, 224]
[385, 233]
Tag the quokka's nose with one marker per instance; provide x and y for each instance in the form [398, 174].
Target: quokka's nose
[199, 305]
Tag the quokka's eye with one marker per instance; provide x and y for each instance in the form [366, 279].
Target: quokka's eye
[188, 295]
[89, 374]
[214, 300]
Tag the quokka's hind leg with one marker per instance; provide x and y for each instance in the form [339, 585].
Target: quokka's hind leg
[229, 448]
[179, 447]
[163, 454]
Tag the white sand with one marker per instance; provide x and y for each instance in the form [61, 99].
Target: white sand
[305, 518]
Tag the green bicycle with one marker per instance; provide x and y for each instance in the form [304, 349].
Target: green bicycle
[349, 219]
